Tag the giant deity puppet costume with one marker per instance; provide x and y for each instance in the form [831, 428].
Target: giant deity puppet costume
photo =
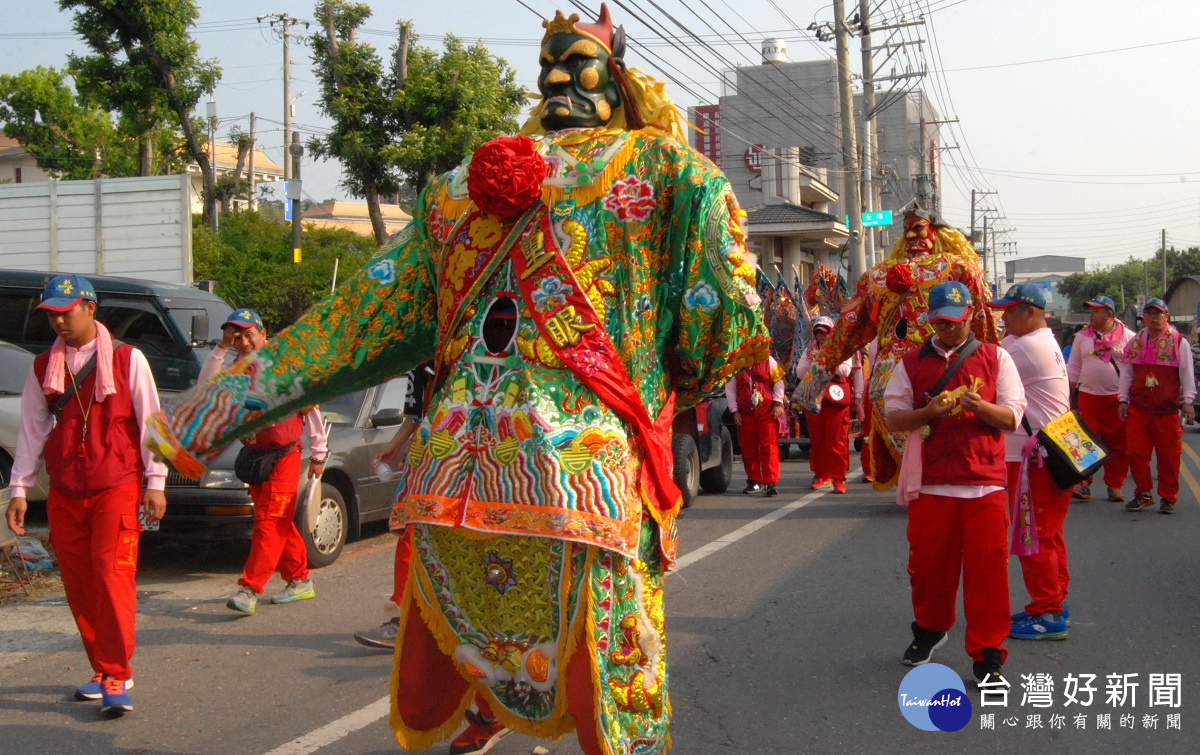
[537, 491]
[890, 303]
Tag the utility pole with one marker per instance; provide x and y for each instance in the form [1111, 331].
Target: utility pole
[286, 23]
[212, 146]
[1164, 254]
[253, 203]
[855, 253]
[867, 190]
[297, 151]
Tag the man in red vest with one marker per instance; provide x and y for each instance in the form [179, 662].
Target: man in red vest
[1157, 383]
[83, 411]
[952, 478]
[756, 397]
[275, 543]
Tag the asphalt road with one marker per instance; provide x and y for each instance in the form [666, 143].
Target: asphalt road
[786, 624]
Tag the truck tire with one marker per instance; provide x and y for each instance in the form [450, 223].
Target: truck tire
[687, 466]
[716, 480]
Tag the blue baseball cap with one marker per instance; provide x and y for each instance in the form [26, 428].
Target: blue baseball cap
[1102, 301]
[949, 300]
[243, 318]
[65, 291]
[1156, 303]
[1029, 293]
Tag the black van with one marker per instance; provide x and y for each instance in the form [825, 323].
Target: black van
[174, 326]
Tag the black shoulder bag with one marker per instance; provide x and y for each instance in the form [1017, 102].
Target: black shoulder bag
[254, 466]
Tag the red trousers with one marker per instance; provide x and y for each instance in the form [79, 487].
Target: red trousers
[1162, 434]
[96, 542]
[1100, 414]
[275, 542]
[758, 436]
[1045, 572]
[400, 566]
[949, 536]
[829, 453]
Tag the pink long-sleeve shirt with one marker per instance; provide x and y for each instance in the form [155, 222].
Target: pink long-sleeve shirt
[37, 422]
[1093, 374]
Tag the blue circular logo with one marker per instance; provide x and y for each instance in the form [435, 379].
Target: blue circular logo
[932, 698]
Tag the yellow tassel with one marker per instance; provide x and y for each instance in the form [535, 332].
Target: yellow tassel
[585, 195]
[452, 209]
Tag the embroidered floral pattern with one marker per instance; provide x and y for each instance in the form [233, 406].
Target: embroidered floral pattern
[701, 296]
[630, 199]
[384, 271]
[551, 292]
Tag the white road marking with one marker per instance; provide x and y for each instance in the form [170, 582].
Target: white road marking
[346, 725]
[750, 528]
[330, 733]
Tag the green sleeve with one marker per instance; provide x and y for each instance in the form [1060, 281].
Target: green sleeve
[719, 328]
[379, 323]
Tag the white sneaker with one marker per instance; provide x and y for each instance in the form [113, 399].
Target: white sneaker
[297, 589]
[243, 601]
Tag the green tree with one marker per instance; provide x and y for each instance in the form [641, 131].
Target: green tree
[68, 138]
[448, 106]
[250, 257]
[1130, 278]
[146, 66]
[232, 184]
[411, 121]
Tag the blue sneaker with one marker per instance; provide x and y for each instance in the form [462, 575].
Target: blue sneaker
[113, 697]
[92, 690]
[1065, 613]
[1039, 628]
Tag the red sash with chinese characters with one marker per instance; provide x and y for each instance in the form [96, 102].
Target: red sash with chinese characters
[574, 334]
[572, 331]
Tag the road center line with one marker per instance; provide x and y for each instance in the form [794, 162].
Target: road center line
[332, 732]
[1187, 475]
[348, 724]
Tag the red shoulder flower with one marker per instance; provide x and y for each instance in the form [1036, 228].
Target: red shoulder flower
[900, 278]
[505, 176]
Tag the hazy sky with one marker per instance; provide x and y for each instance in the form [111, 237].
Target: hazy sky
[1081, 114]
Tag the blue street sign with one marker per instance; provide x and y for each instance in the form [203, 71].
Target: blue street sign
[287, 203]
[883, 217]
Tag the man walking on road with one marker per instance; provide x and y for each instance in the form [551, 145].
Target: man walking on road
[83, 412]
[1031, 344]
[275, 543]
[1095, 374]
[1157, 383]
[955, 396]
[756, 398]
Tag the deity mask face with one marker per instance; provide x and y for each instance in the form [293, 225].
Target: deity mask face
[577, 88]
[919, 235]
